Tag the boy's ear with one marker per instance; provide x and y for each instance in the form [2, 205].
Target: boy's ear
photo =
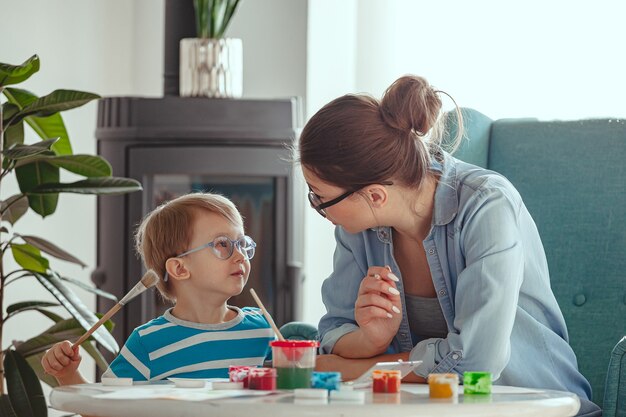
[176, 269]
[377, 195]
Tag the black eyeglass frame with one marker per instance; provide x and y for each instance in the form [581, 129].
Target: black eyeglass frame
[314, 199]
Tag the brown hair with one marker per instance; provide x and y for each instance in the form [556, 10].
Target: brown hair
[355, 140]
[166, 231]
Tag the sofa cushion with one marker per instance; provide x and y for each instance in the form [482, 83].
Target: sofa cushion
[572, 176]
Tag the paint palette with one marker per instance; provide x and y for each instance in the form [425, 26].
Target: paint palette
[405, 367]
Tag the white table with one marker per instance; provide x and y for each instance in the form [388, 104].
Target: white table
[98, 400]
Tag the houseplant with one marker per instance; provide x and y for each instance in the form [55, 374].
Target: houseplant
[37, 170]
[211, 65]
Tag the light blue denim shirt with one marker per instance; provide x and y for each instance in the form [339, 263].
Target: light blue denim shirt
[491, 276]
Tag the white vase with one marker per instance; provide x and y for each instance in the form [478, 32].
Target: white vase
[211, 67]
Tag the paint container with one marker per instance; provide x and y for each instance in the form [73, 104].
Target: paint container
[239, 374]
[443, 385]
[263, 379]
[347, 396]
[477, 383]
[326, 380]
[386, 382]
[294, 361]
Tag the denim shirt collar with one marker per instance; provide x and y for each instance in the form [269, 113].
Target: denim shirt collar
[446, 194]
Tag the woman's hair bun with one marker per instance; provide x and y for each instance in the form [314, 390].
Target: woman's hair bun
[410, 104]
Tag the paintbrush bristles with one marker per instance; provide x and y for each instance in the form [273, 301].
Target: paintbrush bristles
[149, 279]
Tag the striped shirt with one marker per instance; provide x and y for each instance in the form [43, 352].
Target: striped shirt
[169, 347]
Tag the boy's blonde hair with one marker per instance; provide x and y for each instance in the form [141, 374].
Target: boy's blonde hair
[166, 231]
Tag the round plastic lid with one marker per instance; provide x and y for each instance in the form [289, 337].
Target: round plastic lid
[294, 343]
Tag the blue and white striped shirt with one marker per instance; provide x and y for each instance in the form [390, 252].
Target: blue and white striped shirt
[169, 347]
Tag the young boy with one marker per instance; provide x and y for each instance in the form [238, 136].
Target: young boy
[196, 243]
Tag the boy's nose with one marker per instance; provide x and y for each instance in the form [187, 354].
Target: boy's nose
[238, 254]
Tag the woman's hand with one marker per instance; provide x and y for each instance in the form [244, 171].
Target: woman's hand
[350, 368]
[378, 308]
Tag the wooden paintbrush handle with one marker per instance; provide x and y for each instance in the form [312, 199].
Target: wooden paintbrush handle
[104, 318]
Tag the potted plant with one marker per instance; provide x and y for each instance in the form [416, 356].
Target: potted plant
[37, 170]
[211, 65]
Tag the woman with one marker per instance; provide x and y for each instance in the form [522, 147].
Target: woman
[437, 260]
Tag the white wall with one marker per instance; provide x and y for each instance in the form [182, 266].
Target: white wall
[547, 59]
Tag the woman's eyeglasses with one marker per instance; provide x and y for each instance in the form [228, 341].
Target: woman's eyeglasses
[223, 248]
[317, 204]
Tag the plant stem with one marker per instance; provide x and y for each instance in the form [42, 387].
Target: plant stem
[1, 257]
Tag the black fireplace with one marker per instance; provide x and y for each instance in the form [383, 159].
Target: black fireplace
[175, 145]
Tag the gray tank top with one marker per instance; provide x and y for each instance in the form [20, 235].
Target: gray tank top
[425, 317]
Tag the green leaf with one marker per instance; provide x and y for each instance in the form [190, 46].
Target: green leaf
[52, 316]
[29, 305]
[30, 177]
[23, 387]
[14, 74]
[85, 165]
[6, 409]
[58, 100]
[90, 288]
[46, 127]
[29, 258]
[34, 349]
[34, 361]
[77, 309]
[21, 151]
[97, 185]
[14, 135]
[64, 329]
[9, 110]
[96, 355]
[14, 207]
[51, 249]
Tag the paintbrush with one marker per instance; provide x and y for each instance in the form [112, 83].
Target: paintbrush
[149, 279]
[266, 314]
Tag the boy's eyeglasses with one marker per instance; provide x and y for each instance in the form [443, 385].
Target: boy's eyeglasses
[223, 247]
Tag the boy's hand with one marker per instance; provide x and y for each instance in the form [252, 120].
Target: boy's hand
[61, 361]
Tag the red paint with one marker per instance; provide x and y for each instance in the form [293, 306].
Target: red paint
[386, 382]
[263, 379]
[239, 374]
[393, 382]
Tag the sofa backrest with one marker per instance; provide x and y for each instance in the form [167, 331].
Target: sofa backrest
[572, 177]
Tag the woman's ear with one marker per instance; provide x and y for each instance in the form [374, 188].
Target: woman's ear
[176, 269]
[377, 195]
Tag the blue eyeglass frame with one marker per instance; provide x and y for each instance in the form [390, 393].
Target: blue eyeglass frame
[237, 242]
[250, 245]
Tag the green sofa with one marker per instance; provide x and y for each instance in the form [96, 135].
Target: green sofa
[572, 176]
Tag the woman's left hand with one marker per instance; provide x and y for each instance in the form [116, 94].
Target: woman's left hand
[350, 368]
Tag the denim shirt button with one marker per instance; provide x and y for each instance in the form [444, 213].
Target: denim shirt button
[442, 292]
[455, 356]
[431, 251]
